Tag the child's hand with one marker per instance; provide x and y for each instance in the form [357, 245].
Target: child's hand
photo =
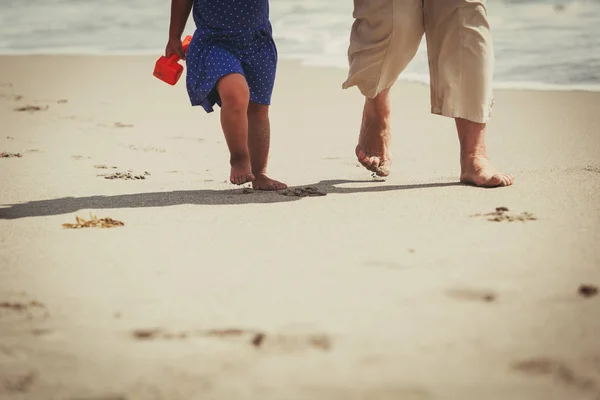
[174, 47]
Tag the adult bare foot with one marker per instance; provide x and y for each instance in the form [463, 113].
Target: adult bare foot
[241, 172]
[263, 182]
[479, 171]
[475, 167]
[374, 140]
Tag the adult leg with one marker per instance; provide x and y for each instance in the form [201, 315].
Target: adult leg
[461, 60]
[385, 37]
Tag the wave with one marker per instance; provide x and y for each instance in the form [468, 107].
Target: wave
[539, 44]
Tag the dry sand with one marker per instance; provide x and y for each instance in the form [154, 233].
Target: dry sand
[377, 290]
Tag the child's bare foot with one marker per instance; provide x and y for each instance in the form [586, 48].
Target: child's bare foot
[263, 182]
[241, 172]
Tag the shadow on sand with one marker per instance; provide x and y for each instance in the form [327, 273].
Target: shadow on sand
[67, 205]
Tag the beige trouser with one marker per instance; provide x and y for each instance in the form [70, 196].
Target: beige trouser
[386, 35]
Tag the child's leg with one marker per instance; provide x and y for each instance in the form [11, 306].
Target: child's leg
[259, 138]
[235, 96]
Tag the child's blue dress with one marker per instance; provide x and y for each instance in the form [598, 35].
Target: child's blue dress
[232, 36]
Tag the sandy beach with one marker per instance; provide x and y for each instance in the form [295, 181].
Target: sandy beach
[355, 288]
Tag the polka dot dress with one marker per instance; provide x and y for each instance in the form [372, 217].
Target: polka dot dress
[232, 36]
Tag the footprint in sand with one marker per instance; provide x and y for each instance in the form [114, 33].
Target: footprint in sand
[146, 149]
[31, 109]
[380, 391]
[594, 362]
[587, 291]
[6, 350]
[256, 339]
[14, 97]
[104, 166]
[30, 309]
[157, 333]
[278, 341]
[122, 125]
[10, 155]
[127, 176]
[194, 139]
[18, 383]
[41, 331]
[308, 191]
[592, 168]
[20, 306]
[556, 369]
[465, 294]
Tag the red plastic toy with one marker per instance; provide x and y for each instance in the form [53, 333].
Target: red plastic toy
[168, 69]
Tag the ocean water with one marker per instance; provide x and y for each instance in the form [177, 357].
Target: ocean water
[539, 44]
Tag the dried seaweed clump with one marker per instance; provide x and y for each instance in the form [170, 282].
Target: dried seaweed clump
[503, 214]
[93, 222]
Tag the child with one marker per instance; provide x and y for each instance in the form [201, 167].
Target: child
[231, 61]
